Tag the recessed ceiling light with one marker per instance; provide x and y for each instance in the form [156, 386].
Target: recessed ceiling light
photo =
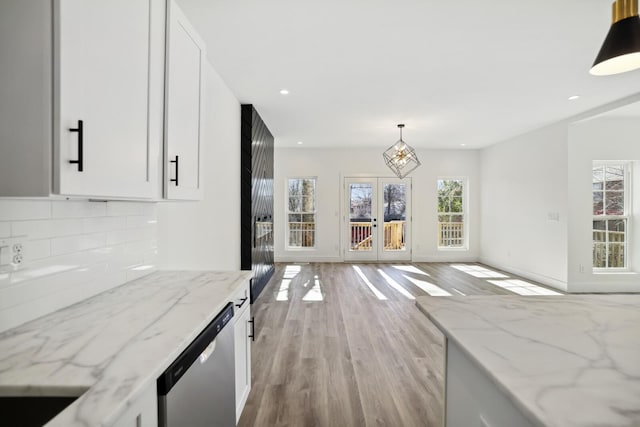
[299, 142]
[574, 97]
[463, 145]
[284, 92]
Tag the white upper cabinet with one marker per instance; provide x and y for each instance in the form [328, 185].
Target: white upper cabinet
[184, 92]
[102, 95]
[82, 108]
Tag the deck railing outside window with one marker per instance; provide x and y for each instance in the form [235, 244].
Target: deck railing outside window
[450, 234]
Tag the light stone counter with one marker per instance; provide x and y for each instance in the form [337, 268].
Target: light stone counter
[571, 360]
[113, 345]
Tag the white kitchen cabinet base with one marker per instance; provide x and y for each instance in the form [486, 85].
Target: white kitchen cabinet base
[472, 399]
[243, 329]
[142, 412]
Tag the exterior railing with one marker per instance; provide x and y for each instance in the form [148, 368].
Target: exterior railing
[394, 232]
[616, 249]
[450, 234]
[302, 234]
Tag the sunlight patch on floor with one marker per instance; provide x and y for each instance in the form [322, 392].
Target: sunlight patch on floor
[315, 293]
[290, 272]
[430, 288]
[395, 285]
[410, 269]
[479, 271]
[521, 287]
[455, 290]
[367, 282]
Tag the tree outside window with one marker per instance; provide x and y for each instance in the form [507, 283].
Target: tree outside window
[301, 213]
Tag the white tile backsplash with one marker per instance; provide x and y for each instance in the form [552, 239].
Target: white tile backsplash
[5, 229]
[11, 210]
[72, 250]
[47, 228]
[78, 209]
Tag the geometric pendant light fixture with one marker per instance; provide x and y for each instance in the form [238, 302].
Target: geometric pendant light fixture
[620, 51]
[400, 157]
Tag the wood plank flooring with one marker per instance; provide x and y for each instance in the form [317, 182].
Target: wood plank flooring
[332, 350]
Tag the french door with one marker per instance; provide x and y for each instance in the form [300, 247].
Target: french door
[377, 219]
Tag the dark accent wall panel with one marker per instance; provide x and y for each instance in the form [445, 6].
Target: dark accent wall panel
[256, 209]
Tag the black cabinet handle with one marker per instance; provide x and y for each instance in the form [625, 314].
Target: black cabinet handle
[80, 161]
[176, 178]
[253, 329]
[242, 303]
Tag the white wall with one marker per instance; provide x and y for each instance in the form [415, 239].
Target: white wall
[205, 235]
[524, 186]
[331, 165]
[603, 138]
[72, 251]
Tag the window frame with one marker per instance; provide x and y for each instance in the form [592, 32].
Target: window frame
[288, 212]
[626, 216]
[464, 214]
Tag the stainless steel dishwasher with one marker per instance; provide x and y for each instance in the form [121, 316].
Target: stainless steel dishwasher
[198, 389]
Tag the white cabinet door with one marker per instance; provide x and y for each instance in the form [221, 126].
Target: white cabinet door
[243, 328]
[102, 73]
[183, 108]
[143, 412]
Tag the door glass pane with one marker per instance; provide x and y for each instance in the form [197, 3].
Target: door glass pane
[360, 216]
[395, 216]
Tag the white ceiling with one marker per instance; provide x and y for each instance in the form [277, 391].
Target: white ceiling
[455, 72]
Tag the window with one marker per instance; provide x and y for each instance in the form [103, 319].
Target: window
[451, 213]
[610, 215]
[301, 213]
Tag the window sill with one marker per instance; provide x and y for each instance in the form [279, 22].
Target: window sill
[295, 249]
[448, 249]
[602, 271]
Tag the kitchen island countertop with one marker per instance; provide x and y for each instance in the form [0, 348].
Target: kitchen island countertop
[113, 346]
[570, 360]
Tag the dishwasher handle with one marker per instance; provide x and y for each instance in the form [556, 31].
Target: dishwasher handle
[203, 342]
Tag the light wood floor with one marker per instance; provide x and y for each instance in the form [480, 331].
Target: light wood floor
[332, 351]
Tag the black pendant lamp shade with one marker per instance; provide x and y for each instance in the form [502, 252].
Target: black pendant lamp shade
[620, 51]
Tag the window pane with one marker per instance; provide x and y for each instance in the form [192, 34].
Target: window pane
[308, 204]
[444, 218]
[616, 255]
[597, 203]
[295, 187]
[614, 202]
[295, 218]
[598, 175]
[616, 230]
[395, 202]
[599, 255]
[457, 218]
[308, 218]
[614, 176]
[360, 202]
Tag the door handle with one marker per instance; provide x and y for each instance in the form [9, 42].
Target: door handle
[80, 160]
[176, 178]
[242, 303]
[253, 329]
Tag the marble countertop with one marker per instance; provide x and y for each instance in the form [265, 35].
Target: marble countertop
[113, 345]
[571, 360]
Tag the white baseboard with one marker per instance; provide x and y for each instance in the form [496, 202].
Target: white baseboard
[447, 257]
[545, 280]
[306, 258]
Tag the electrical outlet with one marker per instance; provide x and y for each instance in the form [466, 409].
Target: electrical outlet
[12, 253]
